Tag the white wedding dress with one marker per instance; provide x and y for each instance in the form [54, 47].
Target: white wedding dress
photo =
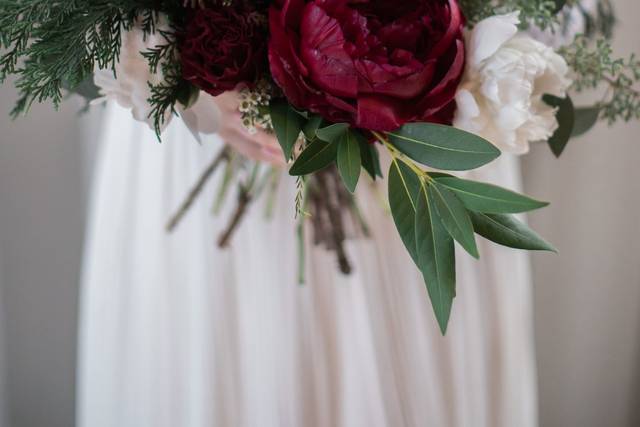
[177, 333]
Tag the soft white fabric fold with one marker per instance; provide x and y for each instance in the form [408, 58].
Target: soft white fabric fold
[175, 332]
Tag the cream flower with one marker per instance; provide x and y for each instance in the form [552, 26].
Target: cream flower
[507, 74]
[129, 85]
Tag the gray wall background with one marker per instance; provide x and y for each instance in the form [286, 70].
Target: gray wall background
[41, 228]
[587, 299]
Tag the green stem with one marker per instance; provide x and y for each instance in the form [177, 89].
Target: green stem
[301, 236]
[398, 156]
[301, 251]
[273, 191]
[225, 184]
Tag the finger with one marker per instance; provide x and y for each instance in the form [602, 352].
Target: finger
[269, 145]
[241, 141]
[255, 148]
[242, 145]
[229, 102]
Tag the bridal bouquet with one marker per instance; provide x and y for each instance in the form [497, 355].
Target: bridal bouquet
[439, 85]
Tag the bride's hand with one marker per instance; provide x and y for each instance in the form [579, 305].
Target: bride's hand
[259, 146]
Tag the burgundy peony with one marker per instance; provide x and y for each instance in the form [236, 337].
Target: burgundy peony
[222, 47]
[376, 64]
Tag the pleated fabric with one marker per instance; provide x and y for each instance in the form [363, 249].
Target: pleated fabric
[176, 332]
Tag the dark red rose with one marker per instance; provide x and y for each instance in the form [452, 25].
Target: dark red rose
[376, 64]
[222, 47]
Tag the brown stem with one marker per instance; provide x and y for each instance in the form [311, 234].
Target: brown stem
[335, 217]
[197, 189]
[317, 218]
[244, 198]
[358, 219]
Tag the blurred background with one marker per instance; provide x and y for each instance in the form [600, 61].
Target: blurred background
[586, 299]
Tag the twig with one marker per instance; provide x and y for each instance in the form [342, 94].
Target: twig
[360, 220]
[244, 198]
[337, 234]
[195, 192]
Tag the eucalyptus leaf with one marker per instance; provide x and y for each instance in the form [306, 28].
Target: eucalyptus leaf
[287, 124]
[348, 159]
[566, 118]
[454, 217]
[443, 147]
[436, 258]
[370, 158]
[506, 230]
[304, 114]
[309, 129]
[560, 4]
[332, 132]
[438, 175]
[585, 119]
[487, 198]
[404, 186]
[316, 156]
[187, 96]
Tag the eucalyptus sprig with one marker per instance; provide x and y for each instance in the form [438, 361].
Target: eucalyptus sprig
[431, 210]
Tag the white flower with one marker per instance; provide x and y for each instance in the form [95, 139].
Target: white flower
[129, 85]
[506, 75]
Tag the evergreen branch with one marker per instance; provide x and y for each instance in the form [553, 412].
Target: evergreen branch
[53, 44]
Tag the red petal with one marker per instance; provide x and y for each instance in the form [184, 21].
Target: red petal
[454, 30]
[445, 91]
[403, 84]
[403, 35]
[283, 62]
[379, 113]
[455, 70]
[322, 50]
[291, 12]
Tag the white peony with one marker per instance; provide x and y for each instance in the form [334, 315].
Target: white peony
[507, 73]
[130, 89]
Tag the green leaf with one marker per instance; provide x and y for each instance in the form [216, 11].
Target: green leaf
[565, 116]
[404, 186]
[436, 258]
[560, 4]
[443, 147]
[188, 96]
[311, 127]
[318, 155]
[333, 132]
[287, 124]
[487, 198]
[349, 162]
[438, 175]
[304, 114]
[454, 217]
[506, 230]
[370, 158]
[585, 119]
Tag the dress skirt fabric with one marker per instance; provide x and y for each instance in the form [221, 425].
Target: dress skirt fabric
[176, 332]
